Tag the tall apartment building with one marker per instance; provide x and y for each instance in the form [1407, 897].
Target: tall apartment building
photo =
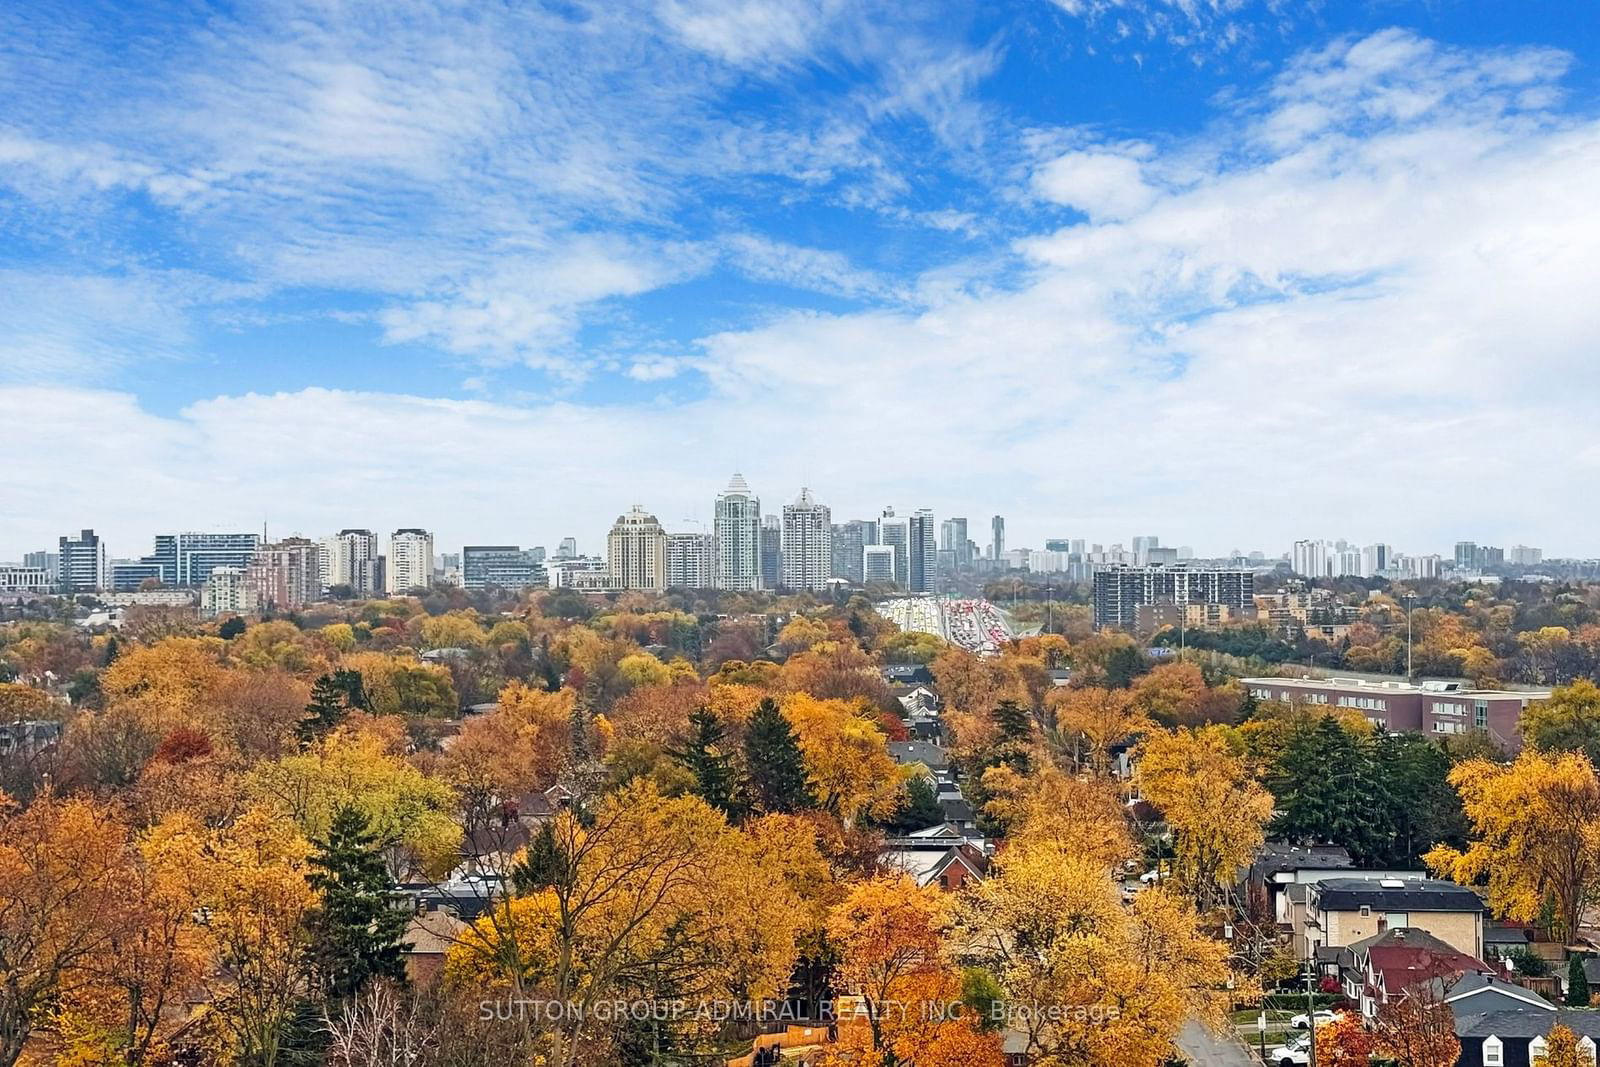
[49, 562]
[129, 575]
[807, 543]
[877, 564]
[83, 566]
[228, 591]
[505, 567]
[1525, 555]
[1466, 555]
[691, 561]
[997, 546]
[771, 551]
[737, 524]
[849, 539]
[1142, 547]
[1375, 559]
[410, 560]
[286, 575]
[894, 531]
[953, 539]
[186, 559]
[1120, 591]
[636, 552]
[1310, 559]
[922, 553]
[350, 558]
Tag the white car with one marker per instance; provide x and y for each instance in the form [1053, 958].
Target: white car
[1151, 876]
[1292, 1053]
[1302, 1021]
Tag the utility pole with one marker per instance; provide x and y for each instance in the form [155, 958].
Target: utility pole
[1311, 1008]
[1409, 598]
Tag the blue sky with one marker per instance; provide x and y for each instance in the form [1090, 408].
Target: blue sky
[1227, 271]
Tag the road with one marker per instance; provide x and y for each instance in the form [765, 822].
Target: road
[1204, 1049]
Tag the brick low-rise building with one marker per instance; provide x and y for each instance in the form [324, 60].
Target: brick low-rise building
[1438, 709]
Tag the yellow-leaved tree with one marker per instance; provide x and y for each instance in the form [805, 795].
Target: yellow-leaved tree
[1086, 980]
[886, 934]
[1216, 812]
[649, 896]
[1535, 831]
[847, 759]
[356, 766]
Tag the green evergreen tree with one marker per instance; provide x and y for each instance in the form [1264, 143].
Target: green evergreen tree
[774, 765]
[231, 627]
[1328, 794]
[357, 926]
[1422, 808]
[1013, 721]
[921, 809]
[705, 755]
[1577, 984]
[333, 696]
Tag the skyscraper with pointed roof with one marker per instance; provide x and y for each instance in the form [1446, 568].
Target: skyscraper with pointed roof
[737, 524]
[807, 543]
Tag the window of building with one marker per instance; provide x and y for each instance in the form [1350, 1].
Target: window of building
[1494, 1052]
[1366, 910]
[1480, 714]
[1536, 1048]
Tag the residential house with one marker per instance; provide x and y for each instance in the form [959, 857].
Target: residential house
[1291, 893]
[1387, 965]
[944, 855]
[1517, 1038]
[1342, 911]
[927, 753]
[428, 938]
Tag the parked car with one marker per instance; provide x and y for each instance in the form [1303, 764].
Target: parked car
[1153, 875]
[1292, 1053]
[1303, 1021]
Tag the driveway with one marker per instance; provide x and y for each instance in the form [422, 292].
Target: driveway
[1204, 1049]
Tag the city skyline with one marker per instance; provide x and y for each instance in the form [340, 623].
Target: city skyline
[1084, 266]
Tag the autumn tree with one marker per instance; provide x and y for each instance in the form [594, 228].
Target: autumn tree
[1568, 721]
[1213, 808]
[361, 767]
[1344, 1042]
[885, 932]
[64, 876]
[1416, 1027]
[1534, 827]
[848, 767]
[649, 895]
[1050, 926]
[249, 880]
[1050, 809]
[1102, 718]
[1561, 1049]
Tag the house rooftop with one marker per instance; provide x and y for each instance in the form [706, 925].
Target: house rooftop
[1395, 894]
[1529, 1023]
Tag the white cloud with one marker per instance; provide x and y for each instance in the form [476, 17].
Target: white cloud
[1359, 305]
[1104, 186]
[765, 259]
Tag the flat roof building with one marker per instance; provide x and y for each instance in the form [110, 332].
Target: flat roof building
[1435, 708]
